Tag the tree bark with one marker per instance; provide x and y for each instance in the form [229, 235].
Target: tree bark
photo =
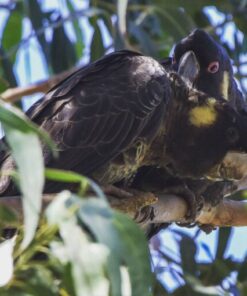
[167, 208]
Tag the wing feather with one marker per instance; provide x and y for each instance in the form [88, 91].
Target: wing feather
[100, 110]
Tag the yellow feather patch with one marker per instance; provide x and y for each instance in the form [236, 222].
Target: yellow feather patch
[225, 85]
[203, 116]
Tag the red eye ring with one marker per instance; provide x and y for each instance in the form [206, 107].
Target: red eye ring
[213, 67]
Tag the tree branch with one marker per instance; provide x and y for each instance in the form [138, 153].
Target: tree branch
[14, 94]
[171, 208]
[167, 208]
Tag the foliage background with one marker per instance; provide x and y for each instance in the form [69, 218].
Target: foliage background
[43, 38]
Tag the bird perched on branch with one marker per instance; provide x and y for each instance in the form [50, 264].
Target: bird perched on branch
[216, 78]
[126, 111]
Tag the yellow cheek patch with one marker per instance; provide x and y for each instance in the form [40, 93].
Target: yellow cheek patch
[203, 116]
[225, 85]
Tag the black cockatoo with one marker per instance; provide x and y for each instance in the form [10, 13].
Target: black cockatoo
[126, 111]
[215, 77]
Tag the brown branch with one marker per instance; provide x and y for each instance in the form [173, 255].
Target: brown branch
[171, 208]
[227, 213]
[14, 94]
[167, 208]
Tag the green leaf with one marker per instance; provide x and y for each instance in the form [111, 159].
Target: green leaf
[188, 249]
[65, 176]
[15, 119]
[22, 137]
[242, 272]
[64, 59]
[97, 49]
[212, 274]
[3, 83]
[12, 33]
[106, 18]
[148, 46]
[201, 19]
[79, 46]
[135, 254]
[6, 70]
[68, 177]
[39, 281]
[7, 215]
[88, 265]
[224, 234]
[27, 152]
[98, 217]
[37, 18]
[88, 259]
[175, 22]
[72, 177]
[126, 242]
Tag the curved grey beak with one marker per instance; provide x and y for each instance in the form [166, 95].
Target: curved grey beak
[188, 67]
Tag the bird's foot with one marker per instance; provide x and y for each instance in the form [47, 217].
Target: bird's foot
[194, 203]
[134, 202]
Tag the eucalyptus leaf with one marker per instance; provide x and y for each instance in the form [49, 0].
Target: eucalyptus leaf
[6, 70]
[98, 217]
[37, 18]
[41, 282]
[65, 176]
[188, 251]
[12, 33]
[135, 254]
[88, 260]
[63, 55]
[79, 46]
[242, 275]
[22, 137]
[97, 46]
[27, 152]
[147, 44]
[88, 265]
[73, 177]
[126, 242]
[7, 215]
[15, 119]
[175, 22]
[224, 234]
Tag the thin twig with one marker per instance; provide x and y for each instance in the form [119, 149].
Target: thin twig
[14, 94]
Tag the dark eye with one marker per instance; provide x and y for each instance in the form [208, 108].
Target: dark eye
[213, 67]
[232, 135]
